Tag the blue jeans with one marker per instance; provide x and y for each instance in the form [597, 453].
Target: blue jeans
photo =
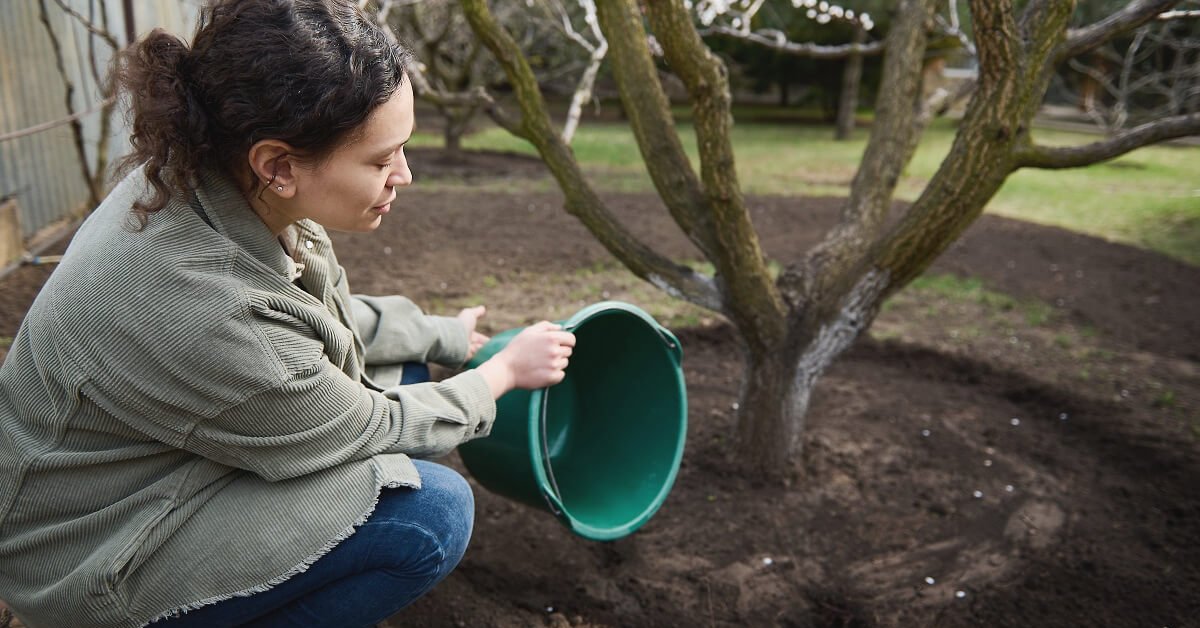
[412, 540]
[414, 373]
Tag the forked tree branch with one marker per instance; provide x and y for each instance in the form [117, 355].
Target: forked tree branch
[830, 266]
[1136, 13]
[596, 54]
[649, 113]
[753, 300]
[581, 199]
[1048, 157]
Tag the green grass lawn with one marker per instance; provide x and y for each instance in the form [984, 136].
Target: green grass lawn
[1148, 198]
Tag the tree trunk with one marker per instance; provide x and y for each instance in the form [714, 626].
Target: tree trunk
[784, 92]
[771, 412]
[779, 382]
[453, 137]
[458, 120]
[851, 79]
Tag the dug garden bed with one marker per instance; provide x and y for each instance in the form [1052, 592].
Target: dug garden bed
[964, 464]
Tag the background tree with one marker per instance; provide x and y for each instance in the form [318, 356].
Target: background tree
[792, 327]
[95, 171]
[1147, 74]
[784, 41]
[456, 75]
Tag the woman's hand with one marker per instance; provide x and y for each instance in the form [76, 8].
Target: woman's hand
[534, 358]
[470, 318]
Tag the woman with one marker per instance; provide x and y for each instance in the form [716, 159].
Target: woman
[200, 425]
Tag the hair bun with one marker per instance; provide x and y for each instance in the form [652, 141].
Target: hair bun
[166, 123]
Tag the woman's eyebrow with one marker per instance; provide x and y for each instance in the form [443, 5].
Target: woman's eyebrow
[395, 147]
[388, 151]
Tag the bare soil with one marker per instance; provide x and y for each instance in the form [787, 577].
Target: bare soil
[964, 465]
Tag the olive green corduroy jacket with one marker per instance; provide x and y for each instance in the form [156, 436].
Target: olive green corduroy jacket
[186, 412]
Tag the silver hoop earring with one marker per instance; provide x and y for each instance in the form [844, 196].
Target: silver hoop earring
[279, 188]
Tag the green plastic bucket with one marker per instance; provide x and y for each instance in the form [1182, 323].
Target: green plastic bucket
[601, 449]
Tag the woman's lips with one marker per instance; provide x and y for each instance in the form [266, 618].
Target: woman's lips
[384, 208]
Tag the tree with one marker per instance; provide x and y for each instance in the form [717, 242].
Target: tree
[1153, 73]
[794, 326]
[802, 34]
[454, 74]
[94, 173]
[451, 59]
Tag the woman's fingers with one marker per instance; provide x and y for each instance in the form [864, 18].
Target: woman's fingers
[539, 354]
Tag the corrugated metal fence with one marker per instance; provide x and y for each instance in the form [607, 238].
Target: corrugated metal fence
[42, 170]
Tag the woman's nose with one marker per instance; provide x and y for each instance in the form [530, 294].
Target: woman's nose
[401, 175]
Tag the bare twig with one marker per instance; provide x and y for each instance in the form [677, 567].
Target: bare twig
[1177, 15]
[102, 33]
[46, 126]
[596, 54]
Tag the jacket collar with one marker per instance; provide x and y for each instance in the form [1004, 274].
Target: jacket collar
[226, 208]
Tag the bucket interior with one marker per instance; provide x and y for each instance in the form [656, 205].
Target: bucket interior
[614, 426]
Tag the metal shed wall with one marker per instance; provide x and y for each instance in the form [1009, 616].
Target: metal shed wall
[42, 170]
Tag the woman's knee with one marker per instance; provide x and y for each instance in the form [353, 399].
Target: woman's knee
[443, 509]
[449, 506]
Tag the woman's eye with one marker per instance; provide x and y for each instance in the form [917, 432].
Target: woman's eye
[385, 166]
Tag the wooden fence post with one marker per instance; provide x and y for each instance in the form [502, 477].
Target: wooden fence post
[10, 232]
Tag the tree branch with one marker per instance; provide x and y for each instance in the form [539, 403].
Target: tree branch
[777, 40]
[653, 126]
[441, 98]
[581, 199]
[596, 54]
[89, 179]
[1036, 156]
[1177, 15]
[753, 300]
[893, 135]
[993, 129]
[89, 25]
[1042, 26]
[829, 266]
[46, 126]
[995, 38]
[942, 99]
[1136, 13]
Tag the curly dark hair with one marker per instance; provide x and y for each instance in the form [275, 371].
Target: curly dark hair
[306, 72]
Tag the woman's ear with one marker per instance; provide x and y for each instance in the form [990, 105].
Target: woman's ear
[273, 163]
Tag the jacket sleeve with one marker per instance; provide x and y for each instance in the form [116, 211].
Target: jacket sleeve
[395, 330]
[275, 393]
[320, 418]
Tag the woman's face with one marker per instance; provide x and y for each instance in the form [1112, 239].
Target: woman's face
[355, 186]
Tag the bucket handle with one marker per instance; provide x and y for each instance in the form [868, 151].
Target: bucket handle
[553, 501]
[672, 343]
